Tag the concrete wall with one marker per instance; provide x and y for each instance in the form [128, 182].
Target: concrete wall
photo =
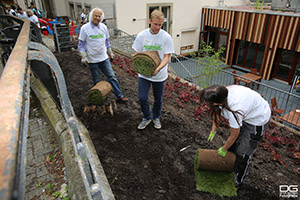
[186, 17]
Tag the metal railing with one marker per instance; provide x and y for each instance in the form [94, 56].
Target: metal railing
[188, 69]
[14, 115]
[121, 40]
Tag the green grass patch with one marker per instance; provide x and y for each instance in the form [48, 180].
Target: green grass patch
[95, 97]
[219, 183]
[143, 65]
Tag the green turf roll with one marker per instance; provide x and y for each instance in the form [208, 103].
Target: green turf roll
[98, 93]
[210, 160]
[215, 182]
[145, 62]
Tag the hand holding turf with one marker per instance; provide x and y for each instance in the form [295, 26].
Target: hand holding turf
[211, 136]
[222, 152]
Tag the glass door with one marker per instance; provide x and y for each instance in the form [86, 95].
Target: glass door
[285, 65]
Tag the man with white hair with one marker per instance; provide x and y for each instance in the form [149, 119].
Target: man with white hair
[93, 46]
[33, 18]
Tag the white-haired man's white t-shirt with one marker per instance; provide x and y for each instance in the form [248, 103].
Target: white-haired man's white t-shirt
[94, 38]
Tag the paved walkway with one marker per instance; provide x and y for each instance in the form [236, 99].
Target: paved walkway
[45, 177]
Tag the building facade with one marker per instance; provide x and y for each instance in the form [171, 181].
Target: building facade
[182, 18]
[266, 40]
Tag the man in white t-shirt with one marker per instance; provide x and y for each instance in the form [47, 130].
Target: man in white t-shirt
[153, 39]
[11, 11]
[93, 46]
[33, 18]
[83, 17]
[21, 13]
[248, 114]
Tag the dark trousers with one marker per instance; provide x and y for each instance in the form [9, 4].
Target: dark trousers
[244, 148]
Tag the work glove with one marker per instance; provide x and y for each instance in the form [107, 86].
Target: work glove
[110, 53]
[222, 152]
[211, 136]
[83, 58]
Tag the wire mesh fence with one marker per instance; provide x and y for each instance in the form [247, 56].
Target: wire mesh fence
[188, 69]
[279, 99]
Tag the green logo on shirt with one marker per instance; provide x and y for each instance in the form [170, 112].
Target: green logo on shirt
[152, 47]
[97, 36]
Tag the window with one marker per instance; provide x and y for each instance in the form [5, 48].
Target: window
[285, 64]
[72, 11]
[78, 11]
[249, 54]
[217, 37]
[167, 10]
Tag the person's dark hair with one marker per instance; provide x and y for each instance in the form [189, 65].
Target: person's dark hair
[217, 94]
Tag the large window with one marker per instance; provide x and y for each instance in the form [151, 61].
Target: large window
[285, 64]
[249, 55]
[167, 10]
[217, 37]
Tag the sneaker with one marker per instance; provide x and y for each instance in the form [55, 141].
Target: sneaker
[156, 123]
[144, 123]
[122, 100]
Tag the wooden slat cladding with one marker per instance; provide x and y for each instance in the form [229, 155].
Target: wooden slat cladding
[273, 45]
[252, 26]
[271, 30]
[217, 18]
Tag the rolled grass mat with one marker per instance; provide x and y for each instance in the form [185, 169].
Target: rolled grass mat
[208, 159]
[219, 183]
[145, 62]
[98, 93]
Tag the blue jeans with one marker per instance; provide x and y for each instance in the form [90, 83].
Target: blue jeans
[143, 91]
[108, 72]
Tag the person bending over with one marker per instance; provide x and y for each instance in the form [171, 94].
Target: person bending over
[248, 114]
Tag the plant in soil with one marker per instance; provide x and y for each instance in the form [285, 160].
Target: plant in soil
[209, 63]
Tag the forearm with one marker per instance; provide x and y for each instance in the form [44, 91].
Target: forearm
[164, 62]
[234, 134]
[214, 127]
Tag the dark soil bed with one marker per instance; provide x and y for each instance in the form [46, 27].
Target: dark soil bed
[148, 164]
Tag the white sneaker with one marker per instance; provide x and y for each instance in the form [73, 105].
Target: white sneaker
[156, 123]
[144, 123]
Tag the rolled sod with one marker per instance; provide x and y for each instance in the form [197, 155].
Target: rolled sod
[208, 159]
[98, 93]
[145, 62]
[215, 182]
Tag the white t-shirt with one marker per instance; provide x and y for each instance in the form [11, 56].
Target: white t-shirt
[252, 105]
[160, 42]
[24, 15]
[94, 38]
[83, 17]
[34, 19]
[12, 12]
